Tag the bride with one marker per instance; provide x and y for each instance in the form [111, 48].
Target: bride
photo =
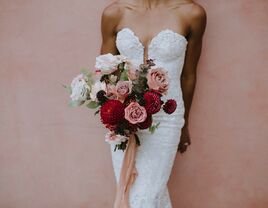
[170, 32]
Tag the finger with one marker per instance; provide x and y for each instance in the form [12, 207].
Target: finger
[179, 148]
[183, 148]
[184, 142]
[187, 140]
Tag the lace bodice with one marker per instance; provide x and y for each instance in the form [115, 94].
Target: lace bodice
[166, 46]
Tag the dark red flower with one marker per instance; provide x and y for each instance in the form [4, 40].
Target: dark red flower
[170, 106]
[112, 112]
[147, 123]
[152, 102]
[130, 98]
[157, 92]
[111, 127]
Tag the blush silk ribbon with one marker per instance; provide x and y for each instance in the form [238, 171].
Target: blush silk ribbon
[128, 174]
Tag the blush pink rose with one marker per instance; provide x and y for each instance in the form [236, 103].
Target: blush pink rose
[132, 74]
[135, 113]
[123, 89]
[157, 80]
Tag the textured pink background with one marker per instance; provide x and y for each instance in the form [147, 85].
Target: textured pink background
[53, 156]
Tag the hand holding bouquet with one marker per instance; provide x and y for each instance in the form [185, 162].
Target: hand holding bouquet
[126, 97]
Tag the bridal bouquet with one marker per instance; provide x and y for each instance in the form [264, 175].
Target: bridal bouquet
[124, 96]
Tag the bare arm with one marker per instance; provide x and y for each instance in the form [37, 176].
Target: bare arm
[188, 77]
[109, 20]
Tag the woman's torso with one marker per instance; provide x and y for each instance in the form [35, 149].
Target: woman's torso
[160, 38]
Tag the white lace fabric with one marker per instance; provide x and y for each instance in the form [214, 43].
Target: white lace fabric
[155, 156]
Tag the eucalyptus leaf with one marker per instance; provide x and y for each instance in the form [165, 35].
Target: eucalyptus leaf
[84, 71]
[92, 105]
[74, 103]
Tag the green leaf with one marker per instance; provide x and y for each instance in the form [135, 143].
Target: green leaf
[89, 74]
[84, 71]
[74, 103]
[92, 105]
[121, 66]
[123, 76]
[153, 127]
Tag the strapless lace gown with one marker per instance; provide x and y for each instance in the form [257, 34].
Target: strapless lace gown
[155, 156]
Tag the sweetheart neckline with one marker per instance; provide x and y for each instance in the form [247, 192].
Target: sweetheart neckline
[153, 38]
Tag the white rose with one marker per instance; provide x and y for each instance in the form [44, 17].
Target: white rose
[98, 86]
[122, 58]
[80, 88]
[107, 63]
[113, 138]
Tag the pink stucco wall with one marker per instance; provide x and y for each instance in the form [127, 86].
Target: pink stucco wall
[53, 156]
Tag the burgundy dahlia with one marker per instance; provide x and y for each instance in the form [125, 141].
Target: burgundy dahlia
[152, 102]
[147, 123]
[112, 112]
[170, 106]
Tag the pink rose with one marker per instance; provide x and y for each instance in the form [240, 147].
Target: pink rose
[122, 89]
[157, 80]
[135, 113]
[113, 138]
[132, 74]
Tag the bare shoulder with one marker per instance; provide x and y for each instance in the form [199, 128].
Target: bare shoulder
[196, 11]
[196, 17]
[113, 11]
[191, 10]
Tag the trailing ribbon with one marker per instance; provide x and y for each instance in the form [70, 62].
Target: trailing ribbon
[128, 174]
